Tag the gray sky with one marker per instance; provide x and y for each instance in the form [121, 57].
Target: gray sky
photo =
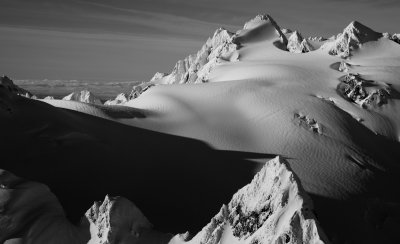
[113, 40]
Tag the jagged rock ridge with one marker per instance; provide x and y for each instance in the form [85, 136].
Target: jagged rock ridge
[273, 208]
[195, 68]
[297, 44]
[354, 35]
[115, 220]
[366, 93]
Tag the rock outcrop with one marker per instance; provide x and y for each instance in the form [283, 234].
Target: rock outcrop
[366, 93]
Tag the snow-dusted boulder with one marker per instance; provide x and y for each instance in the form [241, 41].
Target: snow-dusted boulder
[84, 96]
[273, 208]
[8, 84]
[354, 35]
[297, 44]
[120, 99]
[115, 220]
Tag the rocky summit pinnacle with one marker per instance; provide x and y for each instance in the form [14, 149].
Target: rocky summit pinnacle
[354, 35]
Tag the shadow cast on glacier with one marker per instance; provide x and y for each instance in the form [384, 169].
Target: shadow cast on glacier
[373, 219]
[178, 183]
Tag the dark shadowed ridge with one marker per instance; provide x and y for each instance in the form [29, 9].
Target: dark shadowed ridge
[178, 183]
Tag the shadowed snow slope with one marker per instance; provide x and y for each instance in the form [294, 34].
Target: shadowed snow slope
[83, 157]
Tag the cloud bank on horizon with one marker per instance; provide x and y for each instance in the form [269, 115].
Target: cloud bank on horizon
[131, 40]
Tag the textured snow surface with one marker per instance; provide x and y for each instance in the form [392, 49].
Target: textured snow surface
[273, 208]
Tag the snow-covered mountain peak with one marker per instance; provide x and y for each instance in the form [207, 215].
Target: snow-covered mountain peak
[356, 26]
[115, 220]
[256, 21]
[84, 96]
[273, 208]
[195, 68]
[261, 20]
[297, 44]
[354, 35]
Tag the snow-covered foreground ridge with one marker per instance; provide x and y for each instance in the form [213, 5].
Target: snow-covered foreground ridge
[273, 208]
